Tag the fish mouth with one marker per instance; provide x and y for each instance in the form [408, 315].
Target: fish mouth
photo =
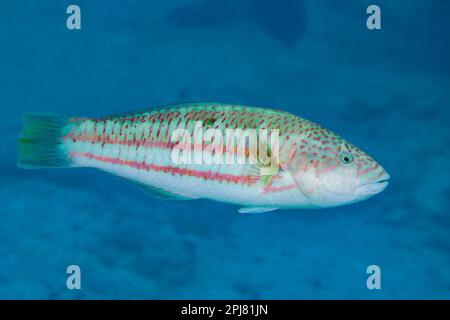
[375, 186]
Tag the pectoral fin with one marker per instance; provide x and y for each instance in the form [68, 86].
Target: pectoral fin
[254, 210]
[264, 173]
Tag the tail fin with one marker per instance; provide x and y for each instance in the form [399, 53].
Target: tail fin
[40, 142]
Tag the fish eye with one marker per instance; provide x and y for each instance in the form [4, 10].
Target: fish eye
[346, 157]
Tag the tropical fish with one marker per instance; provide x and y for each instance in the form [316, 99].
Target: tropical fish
[314, 167]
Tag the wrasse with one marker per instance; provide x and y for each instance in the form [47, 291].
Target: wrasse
[315, 168]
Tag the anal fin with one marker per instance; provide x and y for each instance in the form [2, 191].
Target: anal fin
[160, 193]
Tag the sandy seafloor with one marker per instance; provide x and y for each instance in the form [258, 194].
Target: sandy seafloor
[386, 91]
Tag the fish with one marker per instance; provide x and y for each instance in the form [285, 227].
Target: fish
[299, 164]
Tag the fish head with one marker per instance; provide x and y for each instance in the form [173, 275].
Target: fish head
[332, 172]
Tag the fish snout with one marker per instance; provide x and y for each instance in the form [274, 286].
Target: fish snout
[375, 184]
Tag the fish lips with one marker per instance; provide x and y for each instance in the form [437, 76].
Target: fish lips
[373, 187]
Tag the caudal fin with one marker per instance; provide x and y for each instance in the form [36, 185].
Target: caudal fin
[40, 142]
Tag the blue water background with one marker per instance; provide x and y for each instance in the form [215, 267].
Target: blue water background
[387, 91]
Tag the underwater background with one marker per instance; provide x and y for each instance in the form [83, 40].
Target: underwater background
[387, 91]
